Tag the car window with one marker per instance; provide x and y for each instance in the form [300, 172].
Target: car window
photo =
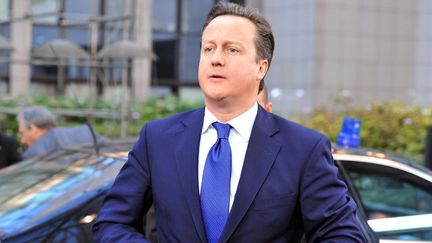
[384, 196]
[397, 202]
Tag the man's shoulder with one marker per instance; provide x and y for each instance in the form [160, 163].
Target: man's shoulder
[44, 144]
[178, 118]
[78, 130]
[170, 125]
[295, 128]
[297, 141]
[296, 136]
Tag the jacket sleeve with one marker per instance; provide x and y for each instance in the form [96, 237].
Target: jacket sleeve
[121, 217]
[329, 214]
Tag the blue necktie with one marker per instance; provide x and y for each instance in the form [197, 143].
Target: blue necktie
[215, 186]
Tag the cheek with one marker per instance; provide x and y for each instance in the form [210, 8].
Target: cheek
[247, 72]
[201, 70]
[201, 79]
[30, 134]
[24, 137]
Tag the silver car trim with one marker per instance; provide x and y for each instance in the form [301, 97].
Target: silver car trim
[386, 162]
[422, 221]
[403, 241]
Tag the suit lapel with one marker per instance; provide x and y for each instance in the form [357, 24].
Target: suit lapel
[260, 156]
[188, 139]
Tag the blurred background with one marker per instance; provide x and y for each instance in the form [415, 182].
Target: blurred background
[122, 63]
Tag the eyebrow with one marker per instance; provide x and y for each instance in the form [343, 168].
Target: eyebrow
[225, 43]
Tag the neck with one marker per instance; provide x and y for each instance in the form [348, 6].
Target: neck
[40, 133]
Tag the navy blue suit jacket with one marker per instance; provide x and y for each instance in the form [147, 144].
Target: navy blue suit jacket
[288, 187]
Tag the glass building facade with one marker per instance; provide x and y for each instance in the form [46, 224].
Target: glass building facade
[328, 53]
[338, 54]
[176, 40]
[176, 32]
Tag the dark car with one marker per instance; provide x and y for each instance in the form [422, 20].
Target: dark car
[56, 197]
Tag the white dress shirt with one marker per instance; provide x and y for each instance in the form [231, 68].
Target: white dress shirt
[238, 139]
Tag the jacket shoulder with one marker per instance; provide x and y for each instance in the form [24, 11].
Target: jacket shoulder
[176, 121]
[294, 129]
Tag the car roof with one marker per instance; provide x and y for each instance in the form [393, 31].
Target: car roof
[340, 153]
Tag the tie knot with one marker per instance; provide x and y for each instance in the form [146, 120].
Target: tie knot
[223, 129]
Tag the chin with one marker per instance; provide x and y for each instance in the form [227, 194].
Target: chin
[214, 93]
[215, 97]
[212, 96]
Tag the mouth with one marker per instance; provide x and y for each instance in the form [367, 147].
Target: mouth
[216, 76]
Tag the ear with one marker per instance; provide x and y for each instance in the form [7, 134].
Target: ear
[33, 127]
[37, 130]
[269, 107]
[263, 67]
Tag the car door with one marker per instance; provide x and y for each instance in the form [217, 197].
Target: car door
[396, 198]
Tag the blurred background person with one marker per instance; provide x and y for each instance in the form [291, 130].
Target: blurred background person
[263, 99]
[33, 124]
[9, 151]
[39, 133]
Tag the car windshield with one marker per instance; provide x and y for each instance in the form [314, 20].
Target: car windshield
[28, 176]
[53, 184]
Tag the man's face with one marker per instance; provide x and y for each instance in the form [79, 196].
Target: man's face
[228, 68]
[29, 135]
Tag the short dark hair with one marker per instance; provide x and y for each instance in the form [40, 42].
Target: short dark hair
[264, 41]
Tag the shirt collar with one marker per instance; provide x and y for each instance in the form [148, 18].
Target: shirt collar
[242, 124]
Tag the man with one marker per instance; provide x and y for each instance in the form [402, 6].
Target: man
[282, 182]
[9, 151]
[39, 134]
[264, 101]
[33, 124]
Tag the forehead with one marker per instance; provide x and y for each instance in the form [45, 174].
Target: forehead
[229, 26]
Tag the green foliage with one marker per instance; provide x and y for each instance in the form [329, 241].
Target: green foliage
[139, 113]
[387, 126]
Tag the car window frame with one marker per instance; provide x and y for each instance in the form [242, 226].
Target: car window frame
[412, 175]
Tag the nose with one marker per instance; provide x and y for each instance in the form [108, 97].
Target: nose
[217, 58]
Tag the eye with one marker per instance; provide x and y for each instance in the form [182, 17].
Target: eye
[207, 49]
[232, 50]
